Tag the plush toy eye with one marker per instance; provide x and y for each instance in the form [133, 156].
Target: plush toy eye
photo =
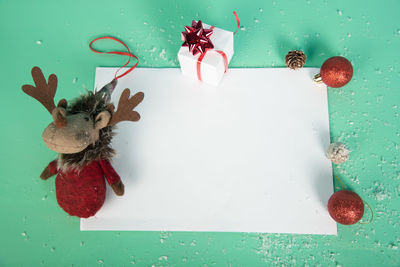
[86, 119]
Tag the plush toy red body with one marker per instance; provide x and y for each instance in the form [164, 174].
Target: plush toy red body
[82, 193]
[81, 133]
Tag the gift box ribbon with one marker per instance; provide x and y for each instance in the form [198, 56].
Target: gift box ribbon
[200, 59]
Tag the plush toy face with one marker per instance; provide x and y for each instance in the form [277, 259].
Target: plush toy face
[72, 133]
[69, 134]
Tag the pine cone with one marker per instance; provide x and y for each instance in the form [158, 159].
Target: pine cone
[295, 59]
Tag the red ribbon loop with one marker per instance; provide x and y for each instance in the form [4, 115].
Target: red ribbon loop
[129, 54]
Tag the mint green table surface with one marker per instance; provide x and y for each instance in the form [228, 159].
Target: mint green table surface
[364, 115]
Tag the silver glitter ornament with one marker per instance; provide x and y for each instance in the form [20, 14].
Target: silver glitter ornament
[337, 153]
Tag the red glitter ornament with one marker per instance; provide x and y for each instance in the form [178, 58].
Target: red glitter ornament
[335, 72]
[197, 38]
[346, 207]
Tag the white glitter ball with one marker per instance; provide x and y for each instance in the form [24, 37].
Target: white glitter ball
[337, 153]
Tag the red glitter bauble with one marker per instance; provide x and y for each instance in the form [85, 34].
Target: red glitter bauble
[336, 72]
[346, 207]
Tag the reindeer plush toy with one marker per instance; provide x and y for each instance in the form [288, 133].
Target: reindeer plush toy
[81, 133]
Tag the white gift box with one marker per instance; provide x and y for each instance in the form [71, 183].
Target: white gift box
[212, 67]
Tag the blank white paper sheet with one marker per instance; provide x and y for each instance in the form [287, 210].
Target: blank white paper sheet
[246, 156]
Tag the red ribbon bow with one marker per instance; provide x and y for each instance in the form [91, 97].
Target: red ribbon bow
[197, 38]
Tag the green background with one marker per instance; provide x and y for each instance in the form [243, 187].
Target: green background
[364, 115]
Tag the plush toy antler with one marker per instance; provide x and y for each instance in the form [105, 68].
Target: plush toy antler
[125, 108]
[81, 133]
[44, 93]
